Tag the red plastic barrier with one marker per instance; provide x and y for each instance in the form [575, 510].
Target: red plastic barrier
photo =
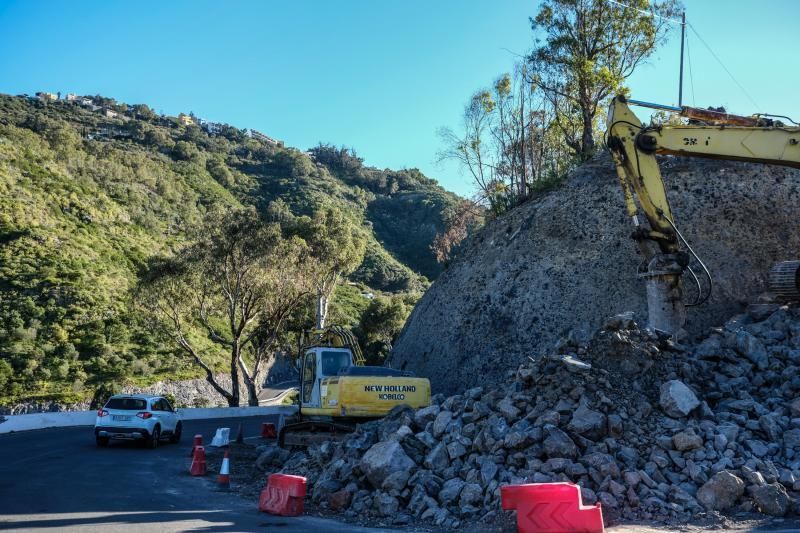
[198, 467]
[551, 508]
[268, 431]
[283, 495]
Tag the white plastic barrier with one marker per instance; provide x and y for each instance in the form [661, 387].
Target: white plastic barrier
[222, 437]
[87, 418]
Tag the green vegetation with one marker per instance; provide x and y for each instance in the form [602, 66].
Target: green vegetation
[239, 282]
[531, 127]
[86, 202]
[381, 323]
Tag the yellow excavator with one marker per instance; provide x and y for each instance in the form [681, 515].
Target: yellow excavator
[337, 389]
[710, 134]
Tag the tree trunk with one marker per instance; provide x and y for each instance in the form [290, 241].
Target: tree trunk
[213, 382]
[209, 373]
[322, 309]
[233, 401]
[523, 187]
[252, 394]
[587, 136]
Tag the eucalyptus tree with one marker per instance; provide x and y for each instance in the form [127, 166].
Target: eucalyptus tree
[236, 283]
[337, 245]
[584, 52]
[533, 125]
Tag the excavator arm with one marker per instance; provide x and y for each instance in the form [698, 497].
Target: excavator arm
[336, 337]
[710, 134]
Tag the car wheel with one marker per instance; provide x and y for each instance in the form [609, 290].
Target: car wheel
[176, 436]
[154, 438]
[101, 441]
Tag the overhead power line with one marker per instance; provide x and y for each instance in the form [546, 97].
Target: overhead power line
[691, 74]
[645, 12]
[752, 101]
[700, 38]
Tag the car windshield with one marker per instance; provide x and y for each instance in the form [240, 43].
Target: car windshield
[127, 404]
[332, 362]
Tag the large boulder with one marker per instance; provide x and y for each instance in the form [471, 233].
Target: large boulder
[589, 423]
[558, 444]
[752, 348]
[721, 491]
[507, 409]
[566, 258]
[791, 438]
[687, 440]
[677, 399]
[340, 500]
[396, 480]
[386, 505]
[771, 499]
[441, 422]
[451, 490]
[272, 456]
[426, 414]
[438, 458]
[471, 494]
[384, 459]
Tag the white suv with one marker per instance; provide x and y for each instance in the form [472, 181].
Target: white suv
[137, 417]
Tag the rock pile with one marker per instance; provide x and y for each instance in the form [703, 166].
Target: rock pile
[653, 430]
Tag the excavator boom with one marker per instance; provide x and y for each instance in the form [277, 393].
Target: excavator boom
[710, 134]
[776, 146]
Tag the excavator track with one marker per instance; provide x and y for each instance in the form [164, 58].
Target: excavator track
[306, 433]
[784, 280]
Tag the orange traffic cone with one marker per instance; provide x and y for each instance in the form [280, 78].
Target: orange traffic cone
[198, 467]
[224, 479]
[198, 441]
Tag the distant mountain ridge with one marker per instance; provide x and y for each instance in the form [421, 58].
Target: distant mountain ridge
[90, 188]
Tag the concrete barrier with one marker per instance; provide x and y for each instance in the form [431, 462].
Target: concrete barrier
[86, 418]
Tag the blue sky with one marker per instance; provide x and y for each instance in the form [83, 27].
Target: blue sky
[380, 76]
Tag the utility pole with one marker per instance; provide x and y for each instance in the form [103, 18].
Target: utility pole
[683, 36]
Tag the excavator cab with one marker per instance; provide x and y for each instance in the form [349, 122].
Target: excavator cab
[320, 363]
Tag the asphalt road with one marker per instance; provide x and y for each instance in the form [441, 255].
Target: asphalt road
[57, 479]
[273, 392]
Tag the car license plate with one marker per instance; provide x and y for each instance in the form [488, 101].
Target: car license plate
[120, 418]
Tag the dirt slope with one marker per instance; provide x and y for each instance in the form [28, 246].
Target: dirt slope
[565, 260]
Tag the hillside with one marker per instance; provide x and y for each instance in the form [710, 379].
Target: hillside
[89, 192]
[565, 261]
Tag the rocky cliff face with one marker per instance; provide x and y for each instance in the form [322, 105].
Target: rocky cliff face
[565, 260]
[187, 393]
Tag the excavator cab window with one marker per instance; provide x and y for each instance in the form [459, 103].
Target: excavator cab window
[333, 361]
[309, 375]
